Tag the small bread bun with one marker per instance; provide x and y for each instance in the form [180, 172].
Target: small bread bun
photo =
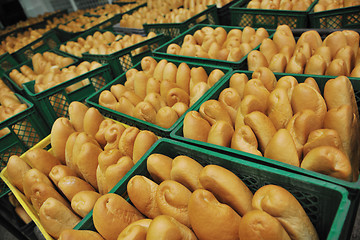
[127, 139]
[166, 227]
[159, 166]
[275, 148]
[195, 127]
[60, 131]
[266, 76]
[143, 141]
[322, 137]
[92, 121]
[214, 77]
[41, 159]
[172, 199]
[212, 111]
[145, 111]
[175, 95]
[152, 86]
[69, 234]
[112, 135]
[227, 188]
[125, 106]
[245, 140]
[337, 67]
[257, 88]
[198, 74]
[112, 214]
[255, 60]
[238, 82]
[142, 193]
[197, 91]
[221, 133]
[55, 217]
[335, 41]
[262, 126]
[211, 219]
[166, 117]
[316, 65]
[16, 169]
[114, 173]
[258, 224]
[296, 64]
[288, 83]
[70, 185]
[231, 99]
[330, 161]
[136, 230]
[60, 171]
[268, 48]
[281, 204]
[155, 100]
[31, 177]
[83, 202]
[77, 112]
[180, 108]
[148, 65]
[183, 77]
[278, 63]
[186, 170]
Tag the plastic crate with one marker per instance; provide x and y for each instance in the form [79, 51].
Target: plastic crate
[7, 62]
[172, 30]
[224, 13]
[54, 102]
[266, 18]
[48, 41]
[161, 51]
[352, 187]
[26, 129]
[125, 30]
[93, 101]
[326, 204]
[56, 14]
[125, 59]
[348, 17]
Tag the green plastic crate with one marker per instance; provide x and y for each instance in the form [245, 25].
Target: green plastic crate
[266, 18]
[93, 101]
[224, 13]
[352, 187]
[54, 102]
[7, 62]
[125, 59]
[326, 204]
[26, 129]
[172, 30]
[161, 51]
[47, 42]
[348, 17]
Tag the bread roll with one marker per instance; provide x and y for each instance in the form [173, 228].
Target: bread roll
[258, 224]
[245, 140]
[325, 53]
[211, 219]
[140, 84]
[322, 137]
[255, 60]
[279, 108]
[284, 37]
[275, 148]
[231, 99]
[126, 142]
[169, 72]
[213, 111]
[346, 53]
[221, 133]
[296, 64]
[31, 177]
[92, 121]
[145, 111]
[16, 169]
[256, 87]
[112, 135]
[266, 76]
[166, 227]
[180, 108]
[183, 77]
[214, 77]
[143, 141]
[77, 112]
[60, 131]
[83, 202]
[335, 41]
[142, 193]
[159, 166]
[148, 65]
[107, 99]
[112, 213]
[352, 40]
[60, 171]
[100, 135]
[278, 63]
[197, 74]
[280, 203]
[70, 185]
[136, 230]
[268, 48]
[238, 82]
[195, 127]
[132, 97]
[41, 159]
[262, 126]
[69, 234]
[337, 67]
[172, 199]
[197, 91]
[55, 217]
[155, 100]
[115, 172]
[288, 83]
[316, 65]
[159, 69]
[330, 161]
[173, 49]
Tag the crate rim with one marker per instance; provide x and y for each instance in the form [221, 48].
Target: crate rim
[236, 7]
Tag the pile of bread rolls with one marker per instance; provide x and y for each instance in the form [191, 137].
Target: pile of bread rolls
[297, 5]
[185, 200]
[324, 5]
[89, 156]
[217, 43]
[159, 93]
[192, 3]
[336, 55]
[284, 120]
[79, 24]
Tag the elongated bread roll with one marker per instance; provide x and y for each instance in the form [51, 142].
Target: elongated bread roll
[16, 169]
[77, 112]
[227, 188]
[186, 170]
[221, 133]
[175, 95]
[159, 166]
[92, 121]
[288, 83]
[268, 48]
[197, 91]
[136, 230]
[112, 135]
[143, 142]
[42, 160]
[238, 82]
[170, 72]
[258, 224]
[279, 108]
[198, 74]
[172, 199]
[159, 69]
[266, 76]
[322, 137]
[140, 84]
[212, 110]
[142, 193]
[60, 171]
[56, 217]
[166, 117]
[256, 87]
[275, 148]
[195, 127]
[126, 142]
[145, 111]
[83, 202]
[316, 65]
[166, 227]
[31, 177]
[278, 63]
[112, 214]
[211, 219]
[114, 173]
[281, 204]
[148, 65]
[155, 100]
[70, 185]
[60, 131]
[69, 234]
[255, 60]
[245, 140]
